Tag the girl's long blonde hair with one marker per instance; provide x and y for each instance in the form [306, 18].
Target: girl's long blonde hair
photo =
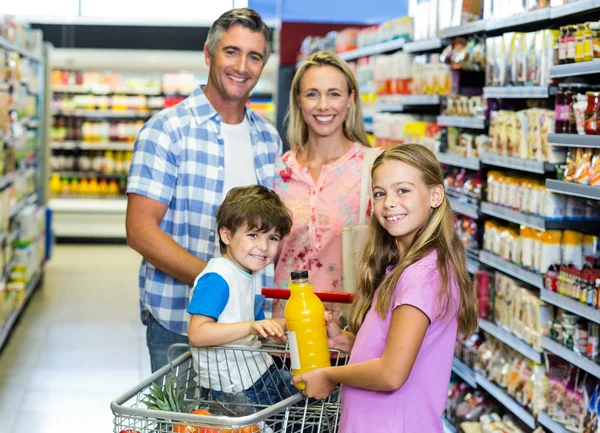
[438, 234]
[354, 127]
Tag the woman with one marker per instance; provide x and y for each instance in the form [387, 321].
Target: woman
[319, 178]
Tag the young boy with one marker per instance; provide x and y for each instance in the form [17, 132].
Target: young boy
[224, 310]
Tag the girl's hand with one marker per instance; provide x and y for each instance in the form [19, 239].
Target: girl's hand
[269, 328]
[334, 332]
[318, 384]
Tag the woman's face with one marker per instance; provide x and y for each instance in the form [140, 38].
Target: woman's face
[324, 99]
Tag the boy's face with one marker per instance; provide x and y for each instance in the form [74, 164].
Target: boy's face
[251, 250]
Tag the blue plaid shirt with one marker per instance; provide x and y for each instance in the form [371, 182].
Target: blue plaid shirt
[178, 160]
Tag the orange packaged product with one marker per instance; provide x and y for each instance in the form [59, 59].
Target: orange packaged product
[595, 170]
[569, 175]
[583, 164]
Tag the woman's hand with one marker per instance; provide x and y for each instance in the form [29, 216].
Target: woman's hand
[318, 384]
[335, 336]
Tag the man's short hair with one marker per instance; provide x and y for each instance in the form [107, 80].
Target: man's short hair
[257, 206]
[245, 17]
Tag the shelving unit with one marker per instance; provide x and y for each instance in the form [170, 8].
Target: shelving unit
[574, 189]
[448, 427]
[507, 401]
[89, 218]
[574, 140]
[464, 208]
[574, 69]
[12, 317]
[464, 372]
[471, 28]
[569, 304]
[527, 165]
[473, 266]
[371, 50]
[537, 17]
[36, 159]
[568, 355]
[551, 425]
[511, 340]
[517, 92]
[423, 46]
[470, 122]
[533, 221]
[458, 161]
[516, 271]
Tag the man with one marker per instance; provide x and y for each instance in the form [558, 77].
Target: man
[185, 161]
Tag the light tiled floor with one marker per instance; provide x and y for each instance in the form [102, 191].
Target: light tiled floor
[78, 345]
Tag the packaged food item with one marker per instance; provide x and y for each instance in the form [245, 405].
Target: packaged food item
[550, 249]
[595, 168]
[527, 247]
[583, 165]
[569, 174]
[512, 134]
[579, 42]
[524, 150]
[590, 121]
[572, 248]
[590, 245]
[579, 105]
[588, 48]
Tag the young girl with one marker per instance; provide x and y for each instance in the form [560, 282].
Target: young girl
[414, 292]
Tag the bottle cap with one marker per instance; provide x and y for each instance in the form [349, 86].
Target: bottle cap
[299, 274]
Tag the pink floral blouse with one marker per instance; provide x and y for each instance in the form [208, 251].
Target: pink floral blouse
[320, 211]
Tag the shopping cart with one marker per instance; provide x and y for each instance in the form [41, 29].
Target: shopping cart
[178, 388]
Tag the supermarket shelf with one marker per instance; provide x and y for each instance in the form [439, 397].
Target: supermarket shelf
[117, 114]
[574, 69]
[425, 45]
[90, 174]
[511, 340]
[475, 122]
[570, 304]
[372, 50]
[574, 189]
[472, 266]
[16, 209]
[9, 46]
[458, 161]
[467, 209]
[558, 349]
[519, 19]
[84, 90]
[88, 205]
[465, 29]
[511, 269]
[574, 140]
[447, 425]
[464, 372]
[551, 425]
[528, 165]
[516, 92]
[99, 145]
[507, 401]
[574, 8]
[512, 215]
[6, 180]
[12, 318]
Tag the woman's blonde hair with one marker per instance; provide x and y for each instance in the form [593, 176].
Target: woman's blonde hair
[354, 128]
[438, 234]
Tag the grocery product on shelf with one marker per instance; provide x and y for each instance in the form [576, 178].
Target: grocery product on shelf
[582, 166]
[394, 129]
[524, 134]
[497, 9]
[457, 105]
[576, 334]
[520, 59]
[533, 249]
[466, 144]
[467, 230]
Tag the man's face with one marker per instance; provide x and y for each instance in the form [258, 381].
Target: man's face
[237, 63]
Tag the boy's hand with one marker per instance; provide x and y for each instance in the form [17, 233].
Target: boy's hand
[269, 328]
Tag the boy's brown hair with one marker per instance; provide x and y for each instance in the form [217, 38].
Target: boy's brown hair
[257, 206]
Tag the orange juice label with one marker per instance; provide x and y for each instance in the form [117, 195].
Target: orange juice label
[294, 355]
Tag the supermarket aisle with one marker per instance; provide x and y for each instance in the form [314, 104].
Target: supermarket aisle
[79, 344]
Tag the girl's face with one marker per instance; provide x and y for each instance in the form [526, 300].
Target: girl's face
[402, 202]
[324, 99]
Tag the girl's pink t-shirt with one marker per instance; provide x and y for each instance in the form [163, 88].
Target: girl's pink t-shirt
[320, 211]
[418, 405]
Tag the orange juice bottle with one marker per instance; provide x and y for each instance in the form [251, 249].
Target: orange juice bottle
[305, 321]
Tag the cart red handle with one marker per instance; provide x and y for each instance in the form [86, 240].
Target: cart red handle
[337, 297]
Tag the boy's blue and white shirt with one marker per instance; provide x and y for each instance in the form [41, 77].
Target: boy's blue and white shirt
[228, 294]
[178, 160]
